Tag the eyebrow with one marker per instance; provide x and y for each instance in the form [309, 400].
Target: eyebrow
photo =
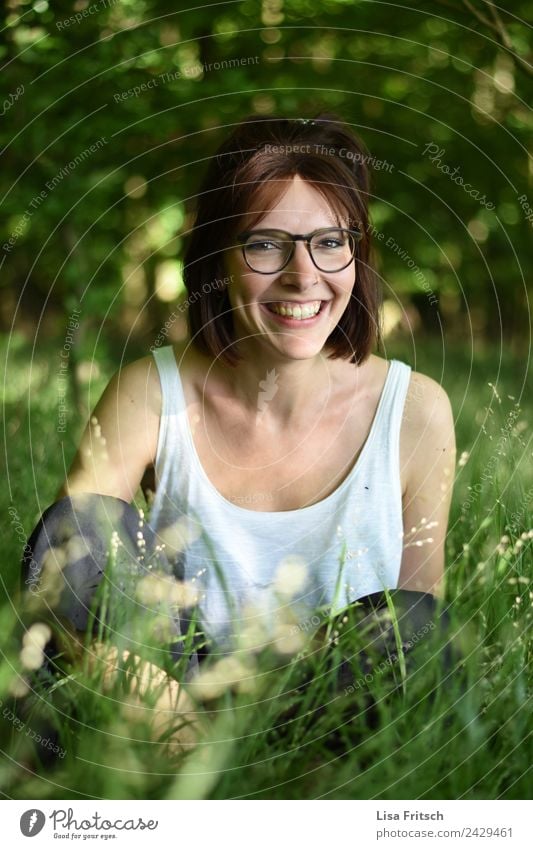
[334, 222]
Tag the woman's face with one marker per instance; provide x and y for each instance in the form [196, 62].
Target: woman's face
[254, 296]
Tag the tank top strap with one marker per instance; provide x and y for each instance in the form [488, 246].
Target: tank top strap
[389, 414]
[173, 420]
[171, 387]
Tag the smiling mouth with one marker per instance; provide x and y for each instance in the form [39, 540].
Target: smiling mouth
[299, 311]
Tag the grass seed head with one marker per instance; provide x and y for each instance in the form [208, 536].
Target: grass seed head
[291, 576]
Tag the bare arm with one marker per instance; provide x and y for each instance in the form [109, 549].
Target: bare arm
[429, 437]
[119, 442]
[120, 439]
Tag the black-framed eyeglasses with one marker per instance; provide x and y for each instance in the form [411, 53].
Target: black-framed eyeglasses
[268, 251]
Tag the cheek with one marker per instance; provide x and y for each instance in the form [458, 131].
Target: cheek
[248, 286]
[346, 286]
[236, 286]
[243, 291]
[351, 280]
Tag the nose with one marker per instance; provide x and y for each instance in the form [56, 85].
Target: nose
[300, 271]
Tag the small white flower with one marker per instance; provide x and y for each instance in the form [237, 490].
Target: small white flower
[54, 560]
[253, 635]
[155, 588]
[291, 576]
[19, 687]
[182, 533]
[32, 657]
[287, 639]
[76, 548]
[229, 672]
[37, 636]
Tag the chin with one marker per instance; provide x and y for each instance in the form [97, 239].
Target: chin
[301, 349]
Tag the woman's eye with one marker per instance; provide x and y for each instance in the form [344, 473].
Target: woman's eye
[330, 243]
[262, 246]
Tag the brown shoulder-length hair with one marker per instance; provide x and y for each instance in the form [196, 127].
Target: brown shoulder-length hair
[250, 170]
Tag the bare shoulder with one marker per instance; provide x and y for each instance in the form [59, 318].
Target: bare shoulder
[427, 405]
[120, 440]
[427, 450]
[427, 434]
[137, 384]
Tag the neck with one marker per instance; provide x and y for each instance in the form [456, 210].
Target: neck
[279, 392]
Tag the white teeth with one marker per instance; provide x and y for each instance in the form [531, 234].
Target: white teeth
[297, 311]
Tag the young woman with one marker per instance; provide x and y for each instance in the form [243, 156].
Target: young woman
[276, 434]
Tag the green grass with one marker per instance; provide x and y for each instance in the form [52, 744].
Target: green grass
[463, 733]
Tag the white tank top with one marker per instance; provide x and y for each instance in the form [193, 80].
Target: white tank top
[350, 542]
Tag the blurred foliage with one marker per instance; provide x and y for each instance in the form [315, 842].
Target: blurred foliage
[98, 179]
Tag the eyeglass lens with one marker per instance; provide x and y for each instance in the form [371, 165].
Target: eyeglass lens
[269, 251]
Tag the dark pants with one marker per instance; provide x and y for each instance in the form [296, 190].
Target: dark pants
[80, 528]
[75, 534]
[69, 550]
[364, 656]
